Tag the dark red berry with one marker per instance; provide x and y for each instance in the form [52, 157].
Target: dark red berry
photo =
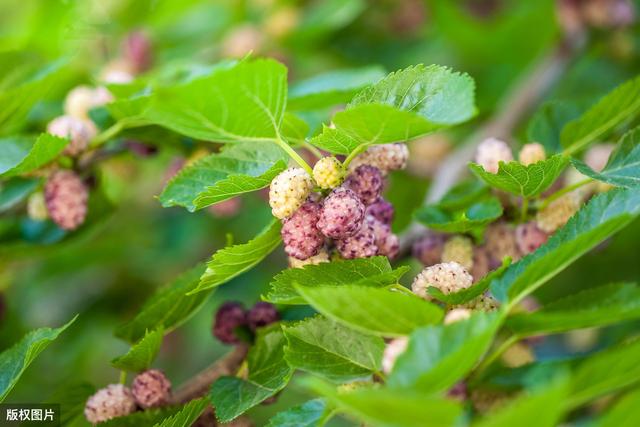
[229, 318]
[262, 314]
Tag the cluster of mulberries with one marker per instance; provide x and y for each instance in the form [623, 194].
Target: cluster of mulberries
[350, 216]
[232, 318]
[492, 151]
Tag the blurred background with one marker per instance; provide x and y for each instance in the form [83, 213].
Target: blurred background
[130, 245]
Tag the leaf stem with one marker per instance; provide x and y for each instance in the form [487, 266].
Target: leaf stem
[359, 149]
[123, 377]
[563, 191]
[525, 209]
[108, 133]
[504, 346]
[293, 154]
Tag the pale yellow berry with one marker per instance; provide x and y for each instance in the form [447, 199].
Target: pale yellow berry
[557, 213]
[328, 172]
[37, 207]
[531, 153]
[491, 152]
[481, 303]
[458, 249]
[518, 355]
[242, 40]
[281, 22]
[288, 191]
[322, 256]
[447, 277]
[456, 315]
[597, 156]
[118, 72]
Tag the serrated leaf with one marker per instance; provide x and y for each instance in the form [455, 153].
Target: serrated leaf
[15, 360]
[624, 413]
[323, 347]
[602, 217]
[526, 181]
[234, 260]
[147, 417]
[599, 306]
[268, 374]
[475, 216]
[72, 398]
[372, 310]
[240, 168]
[375, 271]
[21, 154]
[168, 308]
[142, 354]
[463, 195]
[186, 416]
[547, 123]
[623, 167]
[332, 88]
[438, 356]
[310, 414]
[613, 109]
[390, 407]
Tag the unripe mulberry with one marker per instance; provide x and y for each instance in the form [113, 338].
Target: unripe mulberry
[491, 152]
[557, 213]
[481, 263]
[360, 245]
[531, 153]
[342, 214]
[428, 250]
[242, 40]
[392, 351]
[322, 256]
[427, 153]
[81, 99]
[137, 50]
[529, 237]
[597, 156]
[288, 191]
[388, 243]
[447, 277]
[262, 314]
[118, 71]
[381, 210]
[113, 401]
[519, 354]
[78, 131]
[366, 181]
[229, 317]
[458, 249]
[328, 172]
[66, 198]
[151, 389]
[481, 303]
[386, 157]
[500, 240]
[456, 315]
[37, 207]
[300, 233]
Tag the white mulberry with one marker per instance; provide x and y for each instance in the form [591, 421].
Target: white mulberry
[81, 99]
[456, 315]
[529, 237]
[447, 277]
[531, 153]
[322, 256]
[557, 213]
[151, 388]
[328, 172]
[288, 191]
[597, 156]
[386, 157]
[392, 351]
[342, 214]
[360, 245]
[300, 233]
[79, 132]
[66, 198]
[113, 401]
[366, 181]
[458, 249]
[491, 152]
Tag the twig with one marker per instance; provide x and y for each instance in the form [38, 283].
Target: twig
[199, 384]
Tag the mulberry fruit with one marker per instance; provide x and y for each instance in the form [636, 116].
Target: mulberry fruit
[113, 401]
[557, 213]
[328, 172]
[519, 354]
[322, 256]
[300, 233]
[392, 351]
[229, 317]
[491, 152]
[82, 99]
[66, 198]
[428, 250]
[481, 263]
[529, 237]
[500, 241]
[360, 245]
[78, 131]
[137, 50]
[366, 182]
[386, 157]
[342, 214]
[288, 191]
[151, 389]
[262, 314]
[481, 303]
[456, 315]
[531, 153]
[458, 249]
[448, 277]
[598, 156]
[381, 210]
[387, 242]
[37, 207]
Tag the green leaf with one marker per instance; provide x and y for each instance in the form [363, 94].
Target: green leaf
[294, 129]
[149, 417]
[390, 407]
[323, 347]
[463, 195]
[268, 374]
[605, 372]
[310, 414]
[21, 155]
[438, 356]
[72, 398]
[15, 360]
[142, 354]
[187, 415]
[599, 306]
[406, 193]
[375, 271]
[526, 181]
[234, 260]
[547, 123]
[15, 191]
[476, 216]
[624, 413]
[168, 308]
[602, 217]
[332, 88]
[238, 169]
[378, 311]
[623, 167]
[613, 109]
